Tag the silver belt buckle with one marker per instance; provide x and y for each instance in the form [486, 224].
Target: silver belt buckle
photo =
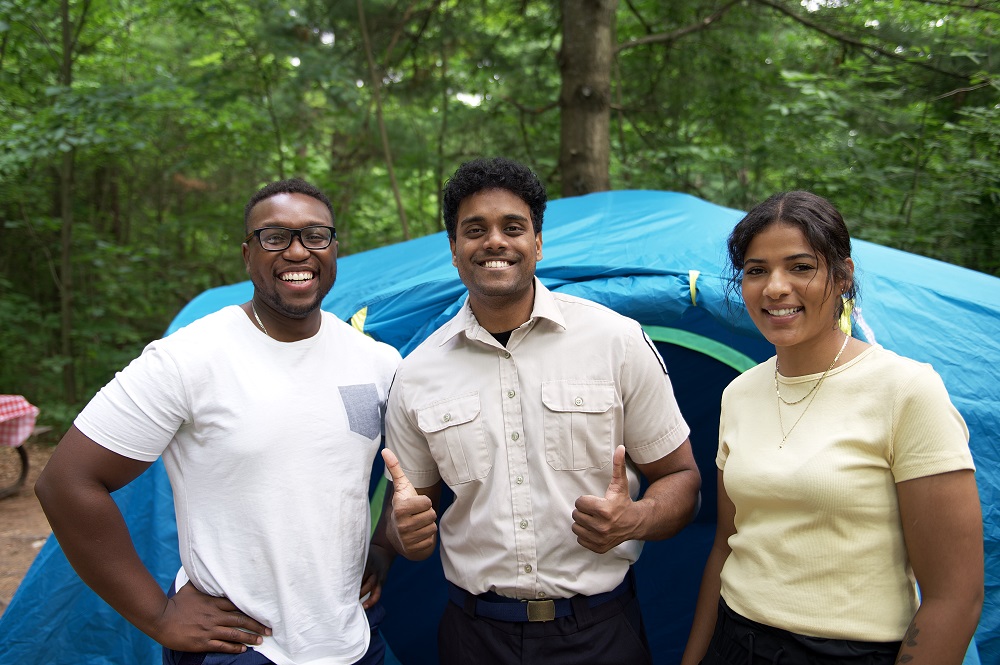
[541, 610]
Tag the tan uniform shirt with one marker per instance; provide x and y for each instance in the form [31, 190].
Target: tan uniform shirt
[519, 433]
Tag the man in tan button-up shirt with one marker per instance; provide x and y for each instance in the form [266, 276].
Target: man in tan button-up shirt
[538, 410]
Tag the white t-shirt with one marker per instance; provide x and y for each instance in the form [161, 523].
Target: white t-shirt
[268, 446]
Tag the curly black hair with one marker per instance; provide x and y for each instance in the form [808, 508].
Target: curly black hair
[820, 223]
[289, 186]
[494, 173]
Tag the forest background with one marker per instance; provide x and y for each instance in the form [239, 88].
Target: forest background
[132, 133]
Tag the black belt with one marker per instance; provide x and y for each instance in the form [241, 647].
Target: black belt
[497, 607]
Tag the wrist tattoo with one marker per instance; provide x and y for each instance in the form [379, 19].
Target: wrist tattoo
[909, 641]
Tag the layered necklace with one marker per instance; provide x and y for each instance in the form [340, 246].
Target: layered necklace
[257, 316]
[811, 395]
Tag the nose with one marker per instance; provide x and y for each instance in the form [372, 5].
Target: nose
[495, 238]
[296, 251]
[777, 285]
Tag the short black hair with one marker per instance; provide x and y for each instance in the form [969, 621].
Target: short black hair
[288, 186]
[821, 224]
[494, 173]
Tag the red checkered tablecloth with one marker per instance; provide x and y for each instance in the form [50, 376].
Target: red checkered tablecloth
[17, 419]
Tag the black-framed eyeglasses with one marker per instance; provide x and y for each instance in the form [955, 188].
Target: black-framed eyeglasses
[278, 238]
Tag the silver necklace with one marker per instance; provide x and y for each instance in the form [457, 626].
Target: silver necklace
[812, 392]
[257, 316]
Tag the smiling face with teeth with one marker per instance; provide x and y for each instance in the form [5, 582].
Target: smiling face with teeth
[495, 250]
[290, 285]
[788, 293]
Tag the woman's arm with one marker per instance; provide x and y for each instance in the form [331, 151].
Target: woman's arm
[943, 530]
[706, 610]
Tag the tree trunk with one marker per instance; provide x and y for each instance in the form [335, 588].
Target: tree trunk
[66, 236]
[585, 100]
[442, 135]
[376, 85]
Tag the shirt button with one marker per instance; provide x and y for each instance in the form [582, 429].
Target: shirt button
[578, 401]
[524, 524]
[446, 417]
[506, 354]
[515, 436]
[520, 479]
[510, 393]
[527, 567]
[541, 594]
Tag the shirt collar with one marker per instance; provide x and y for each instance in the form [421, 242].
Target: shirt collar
[544, 307]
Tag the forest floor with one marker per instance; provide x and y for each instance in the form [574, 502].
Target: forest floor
[23, 527]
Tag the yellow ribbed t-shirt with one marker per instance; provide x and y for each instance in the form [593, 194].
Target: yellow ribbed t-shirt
[818, 548]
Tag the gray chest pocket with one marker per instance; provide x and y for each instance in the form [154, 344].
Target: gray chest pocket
[579, 421]
[364, 414]
[454, 432]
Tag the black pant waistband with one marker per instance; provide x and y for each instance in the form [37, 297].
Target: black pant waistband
[499, 608]
[738, 637]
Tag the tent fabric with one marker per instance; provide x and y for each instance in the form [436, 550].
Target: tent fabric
[658, 257]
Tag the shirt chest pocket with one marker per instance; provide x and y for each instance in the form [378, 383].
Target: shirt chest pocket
[454, 432]
[579, 423]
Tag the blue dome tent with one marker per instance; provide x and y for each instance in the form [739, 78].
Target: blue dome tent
[657, 257]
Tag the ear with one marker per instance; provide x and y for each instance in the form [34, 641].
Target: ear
[246, 257]
[454, 257]
[849, 279]
[538, 246]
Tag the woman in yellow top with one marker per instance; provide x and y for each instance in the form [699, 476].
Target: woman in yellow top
[844, 476]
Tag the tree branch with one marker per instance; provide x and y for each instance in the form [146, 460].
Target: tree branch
[56, 57]
[851, 41]
[670, 37]
[635, 12]
[138, 16]
[79, 26]
[538, 110]
[414, 40]
[970, 88]
[986, 6]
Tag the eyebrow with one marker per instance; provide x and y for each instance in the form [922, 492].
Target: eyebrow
[278, 220]
[793, 257]
[509, 217]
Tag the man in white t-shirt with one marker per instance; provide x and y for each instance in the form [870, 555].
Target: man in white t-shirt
[268, 416]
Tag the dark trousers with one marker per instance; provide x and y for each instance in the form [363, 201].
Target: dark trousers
[609, 634]
[740, 641]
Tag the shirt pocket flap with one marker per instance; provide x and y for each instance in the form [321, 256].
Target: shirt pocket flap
[455, 411]
[571, 396]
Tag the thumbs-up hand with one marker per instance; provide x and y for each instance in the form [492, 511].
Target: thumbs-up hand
[603, 523]
[412, 523]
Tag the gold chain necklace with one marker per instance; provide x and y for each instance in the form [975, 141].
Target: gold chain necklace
[257, 316]
[812, 392]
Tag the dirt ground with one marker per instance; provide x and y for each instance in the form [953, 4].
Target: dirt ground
[23, 528]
